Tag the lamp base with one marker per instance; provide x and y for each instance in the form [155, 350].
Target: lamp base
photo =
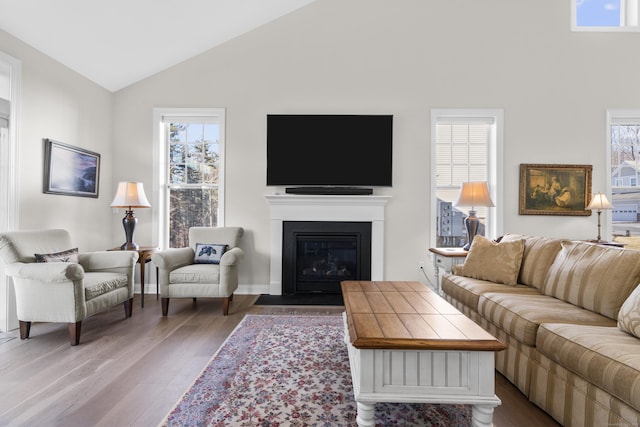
[471, 223]
[129, 223]
[129, 246]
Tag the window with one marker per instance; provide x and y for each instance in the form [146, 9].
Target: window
[604, 15]
[190, 176]
[466, 146]
[623, 135]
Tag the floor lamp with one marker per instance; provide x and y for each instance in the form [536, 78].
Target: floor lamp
[130, 195]
[599, 202]
[473, 194]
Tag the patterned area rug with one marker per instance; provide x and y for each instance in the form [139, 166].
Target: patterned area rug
[290, 370]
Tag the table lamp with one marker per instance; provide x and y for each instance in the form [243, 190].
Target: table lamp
[599, 202]
[473, 194]
[130, 195]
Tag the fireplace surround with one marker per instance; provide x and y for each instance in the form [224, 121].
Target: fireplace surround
[327, 208]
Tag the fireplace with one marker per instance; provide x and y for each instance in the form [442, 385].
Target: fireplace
[325, 208]
[318, 255]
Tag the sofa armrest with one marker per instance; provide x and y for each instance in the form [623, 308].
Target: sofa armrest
[53, 272]
[48, 292]
[170, 259]
[107, 260]
[232, 257]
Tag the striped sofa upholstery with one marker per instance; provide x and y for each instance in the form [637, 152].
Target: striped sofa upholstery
[565, 350]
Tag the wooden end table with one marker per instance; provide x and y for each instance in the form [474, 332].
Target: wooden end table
[144, 256]
[407, 344]
[446, 258]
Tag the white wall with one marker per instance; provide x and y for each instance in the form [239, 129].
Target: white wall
[58, 103]
[403, 58]
[336, 56]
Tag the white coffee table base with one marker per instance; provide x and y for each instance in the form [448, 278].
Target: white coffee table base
[422, 376]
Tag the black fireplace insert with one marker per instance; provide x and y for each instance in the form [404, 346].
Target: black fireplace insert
[318, 255]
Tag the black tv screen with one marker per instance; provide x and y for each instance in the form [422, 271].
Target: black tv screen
[329, 150]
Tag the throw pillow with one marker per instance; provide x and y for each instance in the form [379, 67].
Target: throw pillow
[70, 255]
[208, 253]
[629, 315]
[492, 261]
[595, 277]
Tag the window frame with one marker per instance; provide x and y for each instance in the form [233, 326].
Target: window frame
[160, 165]
[495, 169]
[613, 115]
[625, 6]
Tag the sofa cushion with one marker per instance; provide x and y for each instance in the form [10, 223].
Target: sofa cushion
[598, 278]
[521, 315]
[539, 254]
[468, 291]
[196, 273]
[605, 356]
[495, 262]
[629, 315]
[100, 283]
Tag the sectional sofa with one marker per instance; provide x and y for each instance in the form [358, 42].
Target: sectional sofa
[569, 313]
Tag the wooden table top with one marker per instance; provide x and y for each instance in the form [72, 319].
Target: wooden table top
[409, 315]
[450, 252]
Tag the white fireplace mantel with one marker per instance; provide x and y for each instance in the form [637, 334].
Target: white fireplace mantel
[293, 207]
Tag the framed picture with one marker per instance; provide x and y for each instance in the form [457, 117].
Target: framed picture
[70, 170]
[555, 189]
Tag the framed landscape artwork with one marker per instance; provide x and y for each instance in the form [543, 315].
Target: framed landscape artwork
[70, 170]
[555, 189]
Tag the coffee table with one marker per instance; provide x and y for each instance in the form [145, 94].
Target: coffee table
[407, 344]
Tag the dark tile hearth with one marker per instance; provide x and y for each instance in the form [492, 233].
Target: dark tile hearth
[301, 299]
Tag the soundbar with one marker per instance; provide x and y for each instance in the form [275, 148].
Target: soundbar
[330, 191]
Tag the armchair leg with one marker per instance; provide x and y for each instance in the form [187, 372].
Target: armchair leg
[128, 307]
[74, 333]
[165, 305]
[225, 305]
[25, 329]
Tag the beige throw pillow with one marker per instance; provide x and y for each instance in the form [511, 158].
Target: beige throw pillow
[495, 262]
[629, 315]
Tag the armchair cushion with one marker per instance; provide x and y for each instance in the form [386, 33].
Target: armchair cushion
[196, 273]
[96, 284]
[70, 255]
[208, 253]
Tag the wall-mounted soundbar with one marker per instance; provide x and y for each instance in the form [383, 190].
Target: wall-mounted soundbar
[332, 191]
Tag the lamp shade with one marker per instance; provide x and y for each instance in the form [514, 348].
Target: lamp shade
[474, 194]
[130, 195]
[599, 202]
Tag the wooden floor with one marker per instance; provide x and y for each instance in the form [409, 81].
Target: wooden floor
[130, 372]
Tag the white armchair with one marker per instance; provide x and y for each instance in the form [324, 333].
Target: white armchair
[75, 287]
[181, 277]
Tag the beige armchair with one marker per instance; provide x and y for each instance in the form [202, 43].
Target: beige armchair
[64, 286]
[199, 270]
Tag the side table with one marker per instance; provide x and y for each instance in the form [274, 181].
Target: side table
[144, 256]
[446, 258]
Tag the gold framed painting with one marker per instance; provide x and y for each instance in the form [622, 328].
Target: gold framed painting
[555, 189]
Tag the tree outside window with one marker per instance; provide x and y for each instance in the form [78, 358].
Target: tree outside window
[193, 178]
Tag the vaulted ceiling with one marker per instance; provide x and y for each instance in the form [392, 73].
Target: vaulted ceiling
[119, 42]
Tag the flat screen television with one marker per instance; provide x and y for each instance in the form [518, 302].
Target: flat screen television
[329, 150]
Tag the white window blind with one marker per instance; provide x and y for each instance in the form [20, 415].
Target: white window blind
[462, 146]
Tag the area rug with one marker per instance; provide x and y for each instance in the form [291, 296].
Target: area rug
[290, 370]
